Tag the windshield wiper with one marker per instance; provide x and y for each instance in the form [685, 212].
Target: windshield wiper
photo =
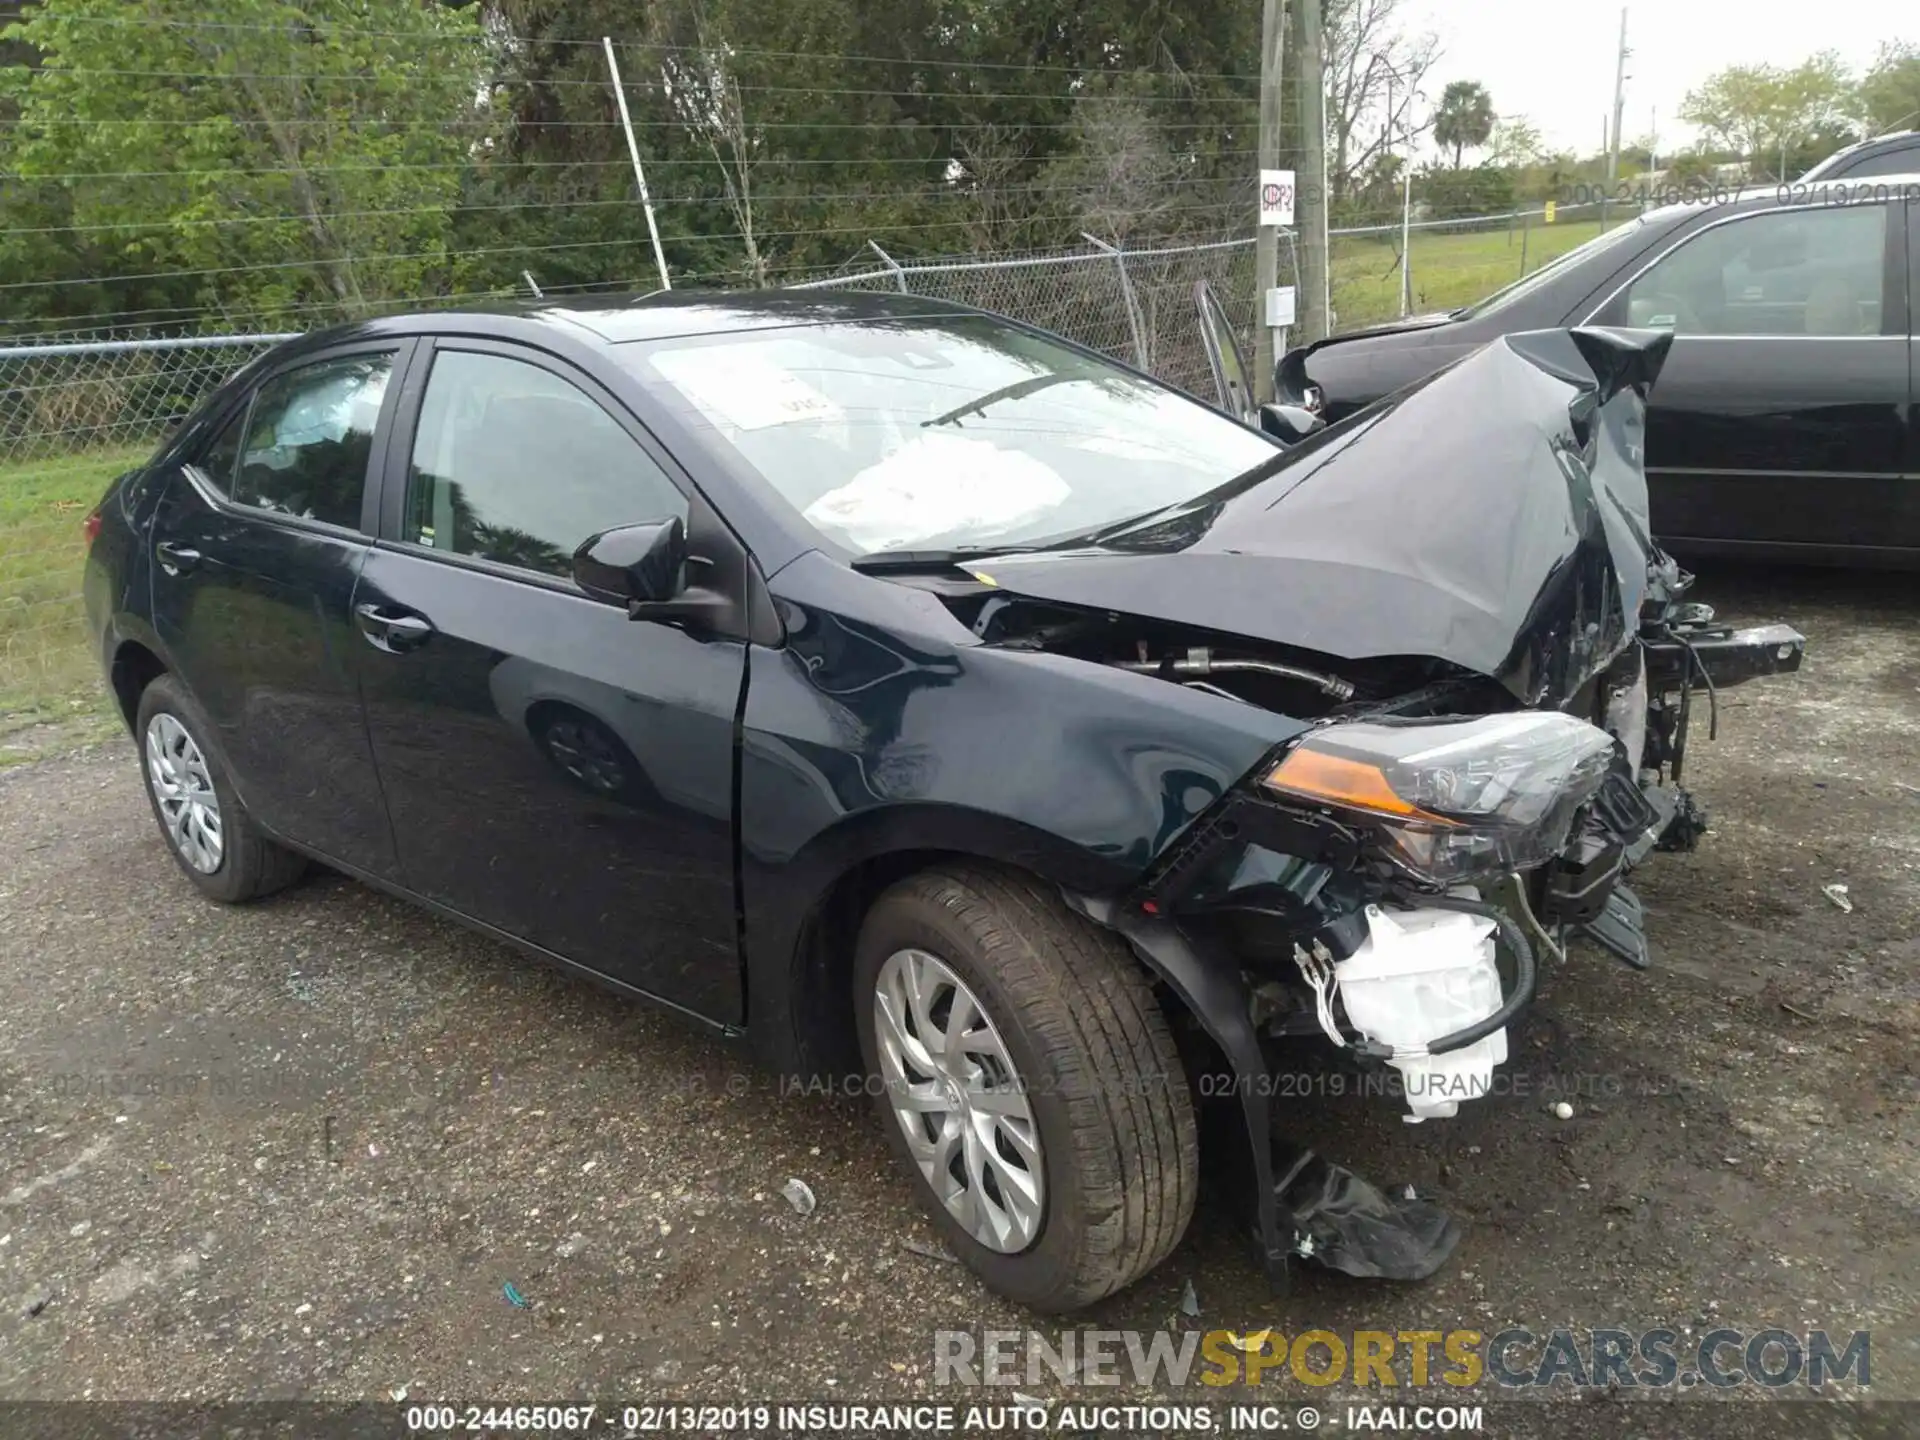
[935, 559]
[1006, 392]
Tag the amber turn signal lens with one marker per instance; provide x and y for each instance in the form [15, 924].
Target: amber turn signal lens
[1335, 780]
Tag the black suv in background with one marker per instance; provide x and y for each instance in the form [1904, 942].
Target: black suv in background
[1784, 422]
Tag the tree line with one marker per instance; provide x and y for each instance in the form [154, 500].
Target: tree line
[265, 160]
[280, 163]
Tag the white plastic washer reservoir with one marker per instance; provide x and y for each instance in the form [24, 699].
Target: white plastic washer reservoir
[1418, 976]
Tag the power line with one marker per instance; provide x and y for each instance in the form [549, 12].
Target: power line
[613, 287]
[872, 230]
[350, 121]
[531, 41]
[811, 90]
[486, 164]
[453, 210]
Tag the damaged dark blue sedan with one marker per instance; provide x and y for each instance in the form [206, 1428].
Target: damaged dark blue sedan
[921, 696]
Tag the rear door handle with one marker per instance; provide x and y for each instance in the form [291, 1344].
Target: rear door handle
[392, 630]
[176, 558]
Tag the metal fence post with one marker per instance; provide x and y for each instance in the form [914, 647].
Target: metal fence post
[899, 275]
[1134, 320]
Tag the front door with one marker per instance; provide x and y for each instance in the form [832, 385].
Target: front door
[1779, 418]
[252, 583]
[552, 768]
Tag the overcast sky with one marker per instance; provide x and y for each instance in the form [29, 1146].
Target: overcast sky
[1553, 60]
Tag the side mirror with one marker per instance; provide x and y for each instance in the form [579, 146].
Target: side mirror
[1289, 424]
[644, 567]
[634, 564]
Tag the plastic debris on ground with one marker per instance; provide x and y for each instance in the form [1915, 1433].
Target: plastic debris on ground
[1838, 895]
[1189, 1302]
[799, 1196]
[514, 1297]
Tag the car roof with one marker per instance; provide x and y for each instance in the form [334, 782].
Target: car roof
[618, 319]
[1893, 140]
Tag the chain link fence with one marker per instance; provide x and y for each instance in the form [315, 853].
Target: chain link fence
[1135, 305]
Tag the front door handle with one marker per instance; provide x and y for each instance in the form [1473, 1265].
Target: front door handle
[392, 630]
[176, 558]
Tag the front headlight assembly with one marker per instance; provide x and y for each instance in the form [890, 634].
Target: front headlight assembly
[1453, 799]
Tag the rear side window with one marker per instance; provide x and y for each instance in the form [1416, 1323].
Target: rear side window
[513, 464]
[222, 457]
[309, 437]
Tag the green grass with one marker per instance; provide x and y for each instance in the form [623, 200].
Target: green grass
[49, 681]
[1450, 269]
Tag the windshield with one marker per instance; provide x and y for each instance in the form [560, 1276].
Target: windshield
[946, 433]
[1527, 284]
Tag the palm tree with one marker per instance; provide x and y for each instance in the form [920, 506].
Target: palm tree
[1464, 118]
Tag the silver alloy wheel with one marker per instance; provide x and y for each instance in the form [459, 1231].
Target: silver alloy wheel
[959, 1100]
[183, 786]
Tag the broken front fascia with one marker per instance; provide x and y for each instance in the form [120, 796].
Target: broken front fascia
[1301, 1203]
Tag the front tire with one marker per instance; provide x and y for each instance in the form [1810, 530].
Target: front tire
[1029, 1082]
[209, 834]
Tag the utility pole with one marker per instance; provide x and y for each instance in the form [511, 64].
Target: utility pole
[1619, 102]
[1406, 202]
[1266, 242]
[1310, 43]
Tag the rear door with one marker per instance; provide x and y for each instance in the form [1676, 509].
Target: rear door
[258, 542]
[552, 768]
[1780, 419]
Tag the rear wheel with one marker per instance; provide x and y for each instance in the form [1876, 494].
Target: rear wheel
[1029, 1081]
[211, 837]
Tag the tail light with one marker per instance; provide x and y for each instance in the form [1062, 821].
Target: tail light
[90, 527]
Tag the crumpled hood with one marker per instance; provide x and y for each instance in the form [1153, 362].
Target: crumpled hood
[1494, 515]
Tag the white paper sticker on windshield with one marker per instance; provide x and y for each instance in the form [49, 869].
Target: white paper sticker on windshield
[747, 391]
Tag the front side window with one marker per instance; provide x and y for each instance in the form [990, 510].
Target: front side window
[1815, 270]
[309, 437]
[945, 433]
[513, 464]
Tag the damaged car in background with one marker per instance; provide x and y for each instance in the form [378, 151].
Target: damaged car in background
[918, 695]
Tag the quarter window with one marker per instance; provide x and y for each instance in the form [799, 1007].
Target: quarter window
[222, 456]
[1801, 271]
[513, 464]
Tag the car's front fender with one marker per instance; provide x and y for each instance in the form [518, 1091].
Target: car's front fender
[885, 728]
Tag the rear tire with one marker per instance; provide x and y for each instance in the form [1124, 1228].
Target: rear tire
[1106, 1101]
[207, 831]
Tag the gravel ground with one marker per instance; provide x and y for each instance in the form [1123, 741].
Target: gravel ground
[297, 1149]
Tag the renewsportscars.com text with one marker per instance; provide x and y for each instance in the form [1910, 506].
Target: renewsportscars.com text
[1514, 1358]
